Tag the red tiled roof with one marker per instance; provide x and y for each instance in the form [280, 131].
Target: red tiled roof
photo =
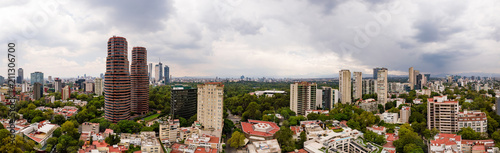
[378, 128]
[391, 137]
[248, 128]
[205, 150]
[295, 129]
[446, 139]
[470, 142]
[389, 145]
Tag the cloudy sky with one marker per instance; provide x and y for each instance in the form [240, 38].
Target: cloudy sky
[272, 38]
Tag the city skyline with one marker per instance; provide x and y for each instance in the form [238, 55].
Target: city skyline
[229, 38]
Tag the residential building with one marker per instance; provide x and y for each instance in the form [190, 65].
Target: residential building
[58, 85]
[184, 101]
[319, 112]
[139, 81]
[89, 87]
[117, 81]
[98, 86]
[66, 92]
[377, 129]
[357, 88]
[391, 118]
[345, 86]
[327, 98]
[411, 77]
[166, 72]
[375, 72]
[37, 90]
[369, 105]
[476, 120]
[169, 131]
[405, 114]
[267, 93]
[259, 130]
[442, 114]
[210, 102]
[369, 86]
[334, 142]
[268, 146]
[37, 77]
[444, 143]
[90, 127]
[302, 97]
[479, 146]
[203, 140]
[150, 143]
[40, 132]
[382, 85]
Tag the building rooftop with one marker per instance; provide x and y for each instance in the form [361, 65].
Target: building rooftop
[259, 128]
[446, 139]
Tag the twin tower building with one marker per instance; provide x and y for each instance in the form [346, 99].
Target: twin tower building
[126, 87]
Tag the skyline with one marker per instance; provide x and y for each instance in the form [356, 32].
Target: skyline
[230, 38]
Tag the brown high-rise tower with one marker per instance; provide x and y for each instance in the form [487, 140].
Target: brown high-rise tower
[117, 81]
[140, 81]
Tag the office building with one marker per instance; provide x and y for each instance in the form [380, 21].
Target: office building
[65, 93]
[476, 120]
[37, 91]
[419, 84]
[166, 72]
[345, 86]
[327, 98]
[37, 77]
[150, 72]
[210, 103]
[98, 86]
[159, 72]
[405, 114]
[411, 78]
[358, 85]
[117, 81]
[302, 97]
[58, 85]
[382, 87]
[20, 76]
[2, 80]
[80, 83]
[442, 114]
[184, 101]
[139, 81]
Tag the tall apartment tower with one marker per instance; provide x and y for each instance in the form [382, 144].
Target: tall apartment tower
[411, 78]
[117, 81]
[382, 87]
[327, 97]
[184, 101]
[37, 90]
[369, 86]
[66, 92]
[358, 85]
[20, 76]
[442, 114]
[166, 72]
[375, 71]
[345, 86]
[58, 85]
[98, 86]
[210, 102]
[159, 72]
[139, 80]
[37, 77]
[302, 97]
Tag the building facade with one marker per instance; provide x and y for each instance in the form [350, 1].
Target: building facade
[476, 120]
[158, 72]
[139, 81]
[345, 86]
[57, 85]
[382, 85]
[65, 94]
[184, 101]
[210, 102]
[166, 72]
[98, 86]
[20, 75]
[442, 114]
[405, 114]
[369, 86]
[117, 81]
[37, 77]
[37, 90]
[327, 97]
[411, 78]
[302, 97]
[358, 85]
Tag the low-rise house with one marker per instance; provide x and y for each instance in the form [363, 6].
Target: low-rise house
[40, 132]
[377, 129]
[446, 143]
[203, 141]
[90, 127]
[259, 130]
[324, 112]
[268, 146]
[387, 117]
[149, 142]
[474, 146]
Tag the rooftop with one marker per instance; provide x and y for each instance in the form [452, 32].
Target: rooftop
[259, 128]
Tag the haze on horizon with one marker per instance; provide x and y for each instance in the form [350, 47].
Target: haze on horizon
[230, 38]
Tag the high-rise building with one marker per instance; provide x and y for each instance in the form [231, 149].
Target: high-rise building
[405, 114]
[150, 72]
[442, 114]
[37, 90]
[419, 84]
[98, 86]
[336, 97]
[327, 98]
[184, 101]
[37, 77]
[20, 75]
[382, 87]
[58, 85]
[139, 81]
[375, 71]
[66, 92]
[49, 79]
[345, 86]
[159, 72]
[358, 85]
[210, 103]
[89, 87]
[411, 78]
[80, 83]
[369, 86]
[2, 80]
[302, 97]
[117, 81]
[169, 131]
[166, 75]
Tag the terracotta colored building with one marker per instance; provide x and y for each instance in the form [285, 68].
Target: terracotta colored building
[139, 80]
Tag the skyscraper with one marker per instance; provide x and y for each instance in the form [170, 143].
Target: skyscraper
[411, 78]
[358, 85]
[98, 86]
[150, 72]
[382, 87]
[37, 77]
[117, 81]
[375, 71]
[345, 86]
[327, 97]
[139, 81]
[159, 72]
[302, 97]
[166, 75]
[184, 101]
[20, 76]
[210, 102]
[57, 85]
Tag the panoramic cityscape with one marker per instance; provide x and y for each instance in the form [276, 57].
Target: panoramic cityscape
[238, 76]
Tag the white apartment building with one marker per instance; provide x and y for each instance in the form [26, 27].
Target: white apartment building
[210, 102]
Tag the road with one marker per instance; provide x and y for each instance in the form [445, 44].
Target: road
[236, 120]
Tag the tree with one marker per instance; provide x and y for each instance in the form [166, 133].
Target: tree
[393, 110]
[112, 139]
[312, 116]
[492, 125]
[59, 119]
[469, 134]
[496, 136]
[228, 126]
[285, 139]
[128, 126]
[237, 140]
[69, 128]
[407, 137]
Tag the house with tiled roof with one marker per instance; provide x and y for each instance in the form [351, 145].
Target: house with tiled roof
[377, 129]
[259, 130]
[40, 132]
[473, 146]
[203, 141]
[450, 143]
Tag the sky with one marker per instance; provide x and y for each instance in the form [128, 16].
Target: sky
[256, 38]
